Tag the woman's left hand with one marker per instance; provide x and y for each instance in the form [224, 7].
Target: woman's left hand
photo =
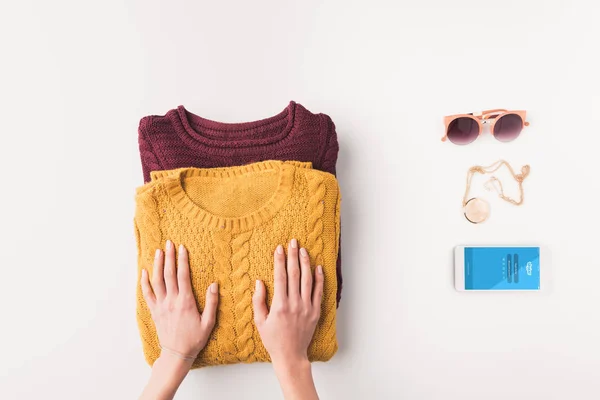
[180, 326]
[182, 330]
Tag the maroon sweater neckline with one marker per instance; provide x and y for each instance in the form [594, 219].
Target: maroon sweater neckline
[233, 135]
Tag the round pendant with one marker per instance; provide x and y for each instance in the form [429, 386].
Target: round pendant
[476, 210]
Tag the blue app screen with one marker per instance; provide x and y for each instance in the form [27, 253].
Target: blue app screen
[502, 268]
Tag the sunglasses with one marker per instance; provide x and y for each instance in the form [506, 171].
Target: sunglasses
[465, 128]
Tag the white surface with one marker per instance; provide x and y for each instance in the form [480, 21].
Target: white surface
[76, 76]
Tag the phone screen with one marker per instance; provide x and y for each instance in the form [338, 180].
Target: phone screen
[502, 268]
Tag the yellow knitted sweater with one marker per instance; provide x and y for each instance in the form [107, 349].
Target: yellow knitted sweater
[231, 220]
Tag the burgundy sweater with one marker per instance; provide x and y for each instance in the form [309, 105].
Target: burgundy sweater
[180, 139]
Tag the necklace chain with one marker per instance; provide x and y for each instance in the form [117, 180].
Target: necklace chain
[490, 170]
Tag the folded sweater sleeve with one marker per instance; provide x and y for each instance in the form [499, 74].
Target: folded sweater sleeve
[150, 161]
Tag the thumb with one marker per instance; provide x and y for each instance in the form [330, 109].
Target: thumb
[258, 301]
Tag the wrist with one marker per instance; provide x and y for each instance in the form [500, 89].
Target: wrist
[295, 379]
[291, 366]
[173, 364]
[168, 372]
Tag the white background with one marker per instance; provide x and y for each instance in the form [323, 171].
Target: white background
[76, 77]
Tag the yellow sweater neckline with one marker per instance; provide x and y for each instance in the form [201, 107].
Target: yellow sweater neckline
[175, 190]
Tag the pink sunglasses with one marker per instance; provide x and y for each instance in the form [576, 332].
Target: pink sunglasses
[465, 128]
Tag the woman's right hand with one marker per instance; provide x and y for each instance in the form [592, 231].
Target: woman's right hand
[287, 330]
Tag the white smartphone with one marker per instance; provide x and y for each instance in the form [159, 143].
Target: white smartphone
[497, 268]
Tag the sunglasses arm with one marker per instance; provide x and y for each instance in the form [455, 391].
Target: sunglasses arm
[492, 114]
[489, 114]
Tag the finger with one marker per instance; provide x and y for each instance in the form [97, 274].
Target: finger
[183, 271]
[147, 290]
[209, 315]
[158, 280]
[305, 277]
[170, 278]
[318, 290]
[280, 276]
[258, 303]
[293, 271]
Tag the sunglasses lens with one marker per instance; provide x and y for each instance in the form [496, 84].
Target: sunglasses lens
[508, 127]
[463, 130]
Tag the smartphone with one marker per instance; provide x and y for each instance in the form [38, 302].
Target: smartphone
[493, 268]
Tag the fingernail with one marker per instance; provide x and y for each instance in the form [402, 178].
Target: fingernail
[144, 273]
[320, 270]
[280, 249]
[157, 253]
[294, 243]
[303, 252]
[257, 285]
[169, 245]
[214, 287]
[181, 248]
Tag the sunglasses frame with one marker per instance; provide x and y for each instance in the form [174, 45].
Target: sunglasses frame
[487, 117]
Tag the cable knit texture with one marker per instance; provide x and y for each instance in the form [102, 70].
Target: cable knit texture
[180, 139]
[231, 220]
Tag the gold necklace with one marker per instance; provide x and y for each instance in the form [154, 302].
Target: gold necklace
[477, 210]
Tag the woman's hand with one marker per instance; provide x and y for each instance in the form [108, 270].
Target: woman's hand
[182, 330]
[179, 325]
[287, 330]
